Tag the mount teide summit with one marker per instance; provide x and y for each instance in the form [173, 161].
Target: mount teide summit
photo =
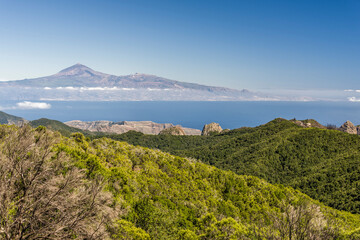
[80, 82]
[80, 75]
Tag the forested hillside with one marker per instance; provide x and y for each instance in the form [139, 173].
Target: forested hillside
[59, 188]
[325, 164]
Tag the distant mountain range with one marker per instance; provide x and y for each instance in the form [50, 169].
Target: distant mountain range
[146, 127]
[95, 127]
[80, 82]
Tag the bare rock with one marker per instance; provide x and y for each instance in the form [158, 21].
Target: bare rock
[211, 128]
[349, 127]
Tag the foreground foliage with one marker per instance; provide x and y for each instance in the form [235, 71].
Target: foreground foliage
[43, 196]
[159, 196]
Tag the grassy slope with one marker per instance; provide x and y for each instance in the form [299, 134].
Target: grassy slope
[325, 164]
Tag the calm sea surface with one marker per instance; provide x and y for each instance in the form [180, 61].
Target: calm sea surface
[194, 114]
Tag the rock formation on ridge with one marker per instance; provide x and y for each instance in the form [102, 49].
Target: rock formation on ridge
[211, 128]
[176, 130]
[349, 127]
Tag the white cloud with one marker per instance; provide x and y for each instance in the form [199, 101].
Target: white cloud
[81, 89]
[67, 88]
[99, 88]
[353, 99]
[90, 88]
[32, 105]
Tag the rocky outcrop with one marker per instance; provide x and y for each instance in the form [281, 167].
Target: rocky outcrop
[146, 127]
[211, 128]
[349, 127]
[176, 130]
[308, 123]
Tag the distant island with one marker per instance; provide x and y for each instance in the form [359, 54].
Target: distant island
[81, 83]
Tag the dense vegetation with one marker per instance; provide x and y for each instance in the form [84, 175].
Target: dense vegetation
[325, 164]
[154, 195]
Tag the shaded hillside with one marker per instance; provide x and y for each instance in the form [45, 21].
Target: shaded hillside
[11, 119]
[325, 164]
[160, 196]
[57, 126]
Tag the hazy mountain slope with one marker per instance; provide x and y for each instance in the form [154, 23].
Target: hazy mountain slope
[11, 119]
[325, 164]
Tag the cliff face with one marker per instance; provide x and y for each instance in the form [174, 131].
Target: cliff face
[208, 129]
[146, 127]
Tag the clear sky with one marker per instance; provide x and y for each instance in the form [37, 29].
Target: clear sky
[239, 44]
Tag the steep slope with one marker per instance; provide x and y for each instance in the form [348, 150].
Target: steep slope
[325, 164]
[11, 119]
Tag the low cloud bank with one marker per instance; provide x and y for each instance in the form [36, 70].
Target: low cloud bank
[90, 88]
[352, 90]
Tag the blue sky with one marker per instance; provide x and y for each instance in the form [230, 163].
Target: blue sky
[240, 44]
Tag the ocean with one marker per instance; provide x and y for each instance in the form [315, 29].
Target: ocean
[191, 114]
